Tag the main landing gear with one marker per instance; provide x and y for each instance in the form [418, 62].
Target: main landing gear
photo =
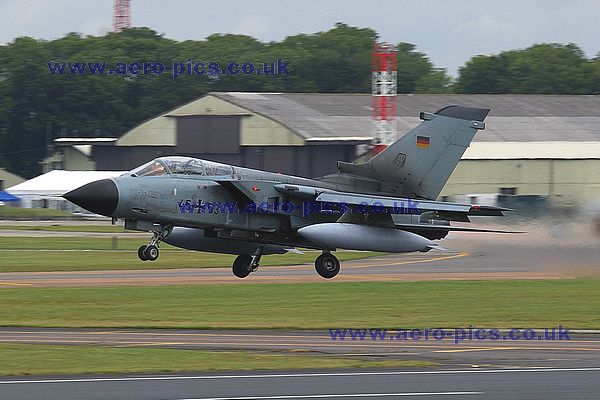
[150, 251]
[245, 264]
[327, 265]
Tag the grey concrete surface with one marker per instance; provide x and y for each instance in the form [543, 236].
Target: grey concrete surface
[515, 384]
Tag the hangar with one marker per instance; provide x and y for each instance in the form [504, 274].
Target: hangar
[569, 172]
[533, 144]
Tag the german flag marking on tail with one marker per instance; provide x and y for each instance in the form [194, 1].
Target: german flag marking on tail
[423, 142]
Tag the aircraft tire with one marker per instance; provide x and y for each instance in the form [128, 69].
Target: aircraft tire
[327, 265]
[151, 253]
[241, 265]
[141, 254]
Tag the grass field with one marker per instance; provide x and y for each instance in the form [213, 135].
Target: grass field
[66, 228]
[16, 212]
[72, 243]
[52, 360]
[546, 303]
[88, 254]
[572, 303]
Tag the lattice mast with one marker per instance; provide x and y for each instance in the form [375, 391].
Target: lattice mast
[384, 89]
[122, 15]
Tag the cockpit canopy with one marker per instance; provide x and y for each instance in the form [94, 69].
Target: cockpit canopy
[181, 165]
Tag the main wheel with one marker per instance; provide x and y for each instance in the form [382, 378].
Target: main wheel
[151, 253]
[327, 265]
[141, 253]
[241, 265]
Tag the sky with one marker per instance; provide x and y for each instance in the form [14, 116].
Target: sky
[449, 32]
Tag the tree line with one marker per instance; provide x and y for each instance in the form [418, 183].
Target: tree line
[36, 106]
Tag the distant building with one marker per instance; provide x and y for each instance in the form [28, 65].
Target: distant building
[266, 131]
[74, 154]
[8, 179]
[533, 144]
[566, 171]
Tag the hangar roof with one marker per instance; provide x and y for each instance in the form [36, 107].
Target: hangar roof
[514, 118]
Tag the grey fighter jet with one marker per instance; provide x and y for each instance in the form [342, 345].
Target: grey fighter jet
[386, 204]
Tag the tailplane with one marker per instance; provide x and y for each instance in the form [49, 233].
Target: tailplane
[420, 163]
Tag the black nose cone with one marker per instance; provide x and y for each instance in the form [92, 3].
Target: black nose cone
[100, 197]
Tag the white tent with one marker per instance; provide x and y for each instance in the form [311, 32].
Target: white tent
[45, 191]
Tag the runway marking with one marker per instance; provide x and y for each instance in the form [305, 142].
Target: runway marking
[266, 336]
[301, 375]
[374, 264]
[90, 342]
[401, 353]
[426, 260]
[186, 281]
[205, 343]
[199, 334]
[485, 349]
[198, 343]
[14, 284]
[520, 348]
[328, 396]
[250, 345]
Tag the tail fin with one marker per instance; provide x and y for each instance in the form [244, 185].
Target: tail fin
[419, 163]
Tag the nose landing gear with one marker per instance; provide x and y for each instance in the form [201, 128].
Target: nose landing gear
[150, 251]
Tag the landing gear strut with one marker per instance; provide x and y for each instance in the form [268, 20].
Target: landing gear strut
[150, 251]
[244, 264]
[327, 265]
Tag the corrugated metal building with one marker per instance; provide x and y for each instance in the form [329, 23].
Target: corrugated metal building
[533, 144]
[265, 131]
[568, 171]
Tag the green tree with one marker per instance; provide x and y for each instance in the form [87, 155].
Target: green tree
[416, 73]
[482, 74]
[26, 110]
[542, 68]
[36, 106]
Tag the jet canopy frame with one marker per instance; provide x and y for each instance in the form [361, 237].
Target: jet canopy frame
[181, 166]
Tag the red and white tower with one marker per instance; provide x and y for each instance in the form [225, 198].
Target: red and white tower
[122, 15]
[384, 89]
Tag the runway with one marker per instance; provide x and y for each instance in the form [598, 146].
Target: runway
[568, 383]
[433, 266]
[580, 350]
[464, 265]
[539, 254]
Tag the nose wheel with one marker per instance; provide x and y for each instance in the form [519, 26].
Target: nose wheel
[142, 253]
[327, 265]
[150, 251]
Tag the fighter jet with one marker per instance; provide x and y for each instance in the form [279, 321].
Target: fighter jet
[387, 204]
